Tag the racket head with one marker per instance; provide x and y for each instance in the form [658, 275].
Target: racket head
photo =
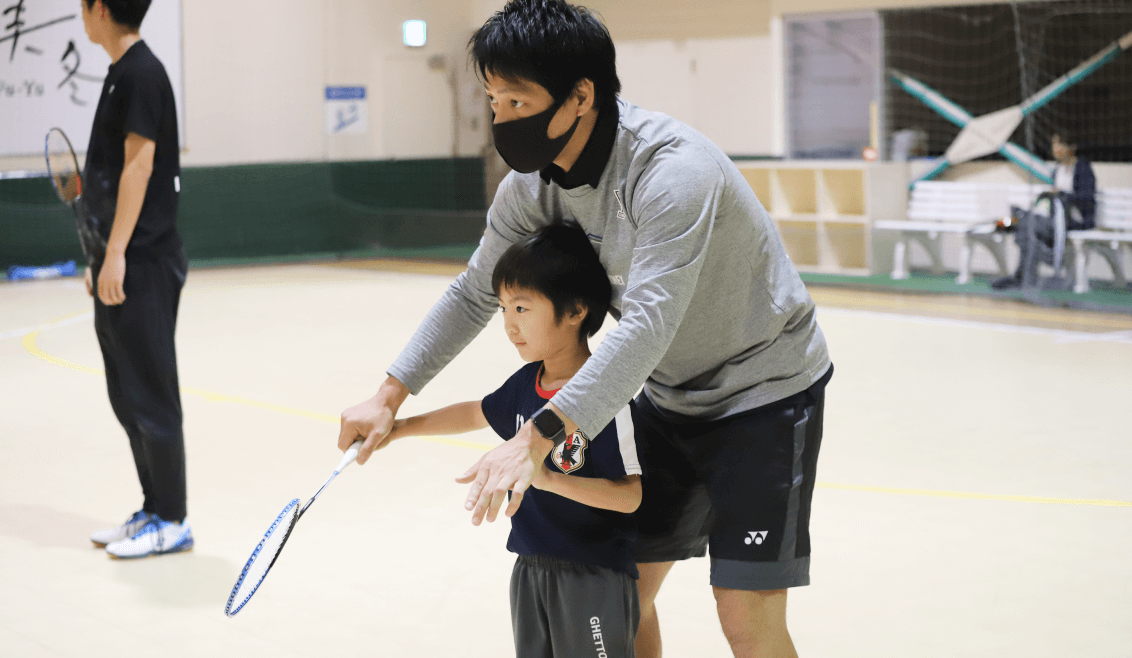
[262, 558]
[63, 166]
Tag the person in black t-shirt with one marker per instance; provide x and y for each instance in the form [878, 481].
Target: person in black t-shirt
[132, 179]
[573, 588]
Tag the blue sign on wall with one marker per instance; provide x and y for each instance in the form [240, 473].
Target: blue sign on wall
[346, 110]
[345, 93]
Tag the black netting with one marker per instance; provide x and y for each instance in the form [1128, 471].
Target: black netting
[990, 57]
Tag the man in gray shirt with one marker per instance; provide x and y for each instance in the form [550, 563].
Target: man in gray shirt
[713, 322]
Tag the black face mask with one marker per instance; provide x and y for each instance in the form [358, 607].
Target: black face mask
[523, 142]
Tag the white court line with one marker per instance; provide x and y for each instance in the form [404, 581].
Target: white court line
[20, 333]
[1061, 336]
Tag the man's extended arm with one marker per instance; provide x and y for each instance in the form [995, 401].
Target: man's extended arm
[457, 318]
[131, 195]
[675, 223]
[468, 304]
[676, 218]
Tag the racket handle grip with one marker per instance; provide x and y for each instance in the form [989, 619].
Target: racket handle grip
[350, 456]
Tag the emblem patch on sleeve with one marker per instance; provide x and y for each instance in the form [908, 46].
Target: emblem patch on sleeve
[571, 453]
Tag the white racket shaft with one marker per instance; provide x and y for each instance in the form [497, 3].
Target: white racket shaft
[347, 459]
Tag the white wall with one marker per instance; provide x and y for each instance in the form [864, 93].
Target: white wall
[724, 88]
[711, 64]
[253, 82]
[413, 92]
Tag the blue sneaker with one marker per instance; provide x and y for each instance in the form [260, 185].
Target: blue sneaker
[156, 537]
[101, 538]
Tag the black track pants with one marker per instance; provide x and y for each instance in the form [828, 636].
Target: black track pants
[136, 338]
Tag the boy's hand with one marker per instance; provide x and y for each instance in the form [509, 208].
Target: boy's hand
[509, 467]
[111, 279]
[88, 279]
[372, 420]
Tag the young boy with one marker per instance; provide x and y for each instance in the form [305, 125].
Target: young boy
[131, 185]
[573, 589]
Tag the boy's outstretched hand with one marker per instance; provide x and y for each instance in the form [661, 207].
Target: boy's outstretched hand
[373, 419]
[512, 467]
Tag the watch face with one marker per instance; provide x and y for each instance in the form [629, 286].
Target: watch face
[548, 423]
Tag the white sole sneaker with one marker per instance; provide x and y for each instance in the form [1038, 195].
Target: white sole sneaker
[157, 537]
[100, 538]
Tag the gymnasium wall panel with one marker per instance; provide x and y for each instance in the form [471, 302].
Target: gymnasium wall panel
[724, 88]
[370, 208]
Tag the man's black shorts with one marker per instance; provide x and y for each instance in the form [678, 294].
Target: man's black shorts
[741, 485]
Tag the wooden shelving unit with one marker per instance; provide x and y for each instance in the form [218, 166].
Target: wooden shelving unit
[824, 210]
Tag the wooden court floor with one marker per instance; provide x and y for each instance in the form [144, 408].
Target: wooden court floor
[974, 493]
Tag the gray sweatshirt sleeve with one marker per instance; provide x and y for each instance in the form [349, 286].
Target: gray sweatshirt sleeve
[674, 205]
[468, 304]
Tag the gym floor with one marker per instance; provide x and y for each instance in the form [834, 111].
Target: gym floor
[973, 495]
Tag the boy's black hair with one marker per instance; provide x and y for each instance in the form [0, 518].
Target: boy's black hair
[127, 13]
[549, 42]
[560, 264]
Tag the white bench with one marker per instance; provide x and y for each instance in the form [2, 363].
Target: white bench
[1113, 232]
[968, 209]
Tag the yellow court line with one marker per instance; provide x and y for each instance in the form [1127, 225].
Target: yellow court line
[30, 345]
[28, 342]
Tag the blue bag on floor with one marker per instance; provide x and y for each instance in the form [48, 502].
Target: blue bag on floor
[17, 272]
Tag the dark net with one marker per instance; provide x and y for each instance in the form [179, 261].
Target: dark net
[989, 57]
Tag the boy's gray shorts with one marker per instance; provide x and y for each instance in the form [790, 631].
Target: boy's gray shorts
[571, 610]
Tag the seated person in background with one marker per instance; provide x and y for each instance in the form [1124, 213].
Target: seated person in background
[573, 588]
[1074, 194]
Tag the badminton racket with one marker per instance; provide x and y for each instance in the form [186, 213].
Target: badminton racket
[63, 169]
[267, 550]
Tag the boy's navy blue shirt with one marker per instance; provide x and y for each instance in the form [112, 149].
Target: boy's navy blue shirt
[137, 97]
[549, 524]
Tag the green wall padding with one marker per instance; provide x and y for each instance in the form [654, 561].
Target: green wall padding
[257, 211]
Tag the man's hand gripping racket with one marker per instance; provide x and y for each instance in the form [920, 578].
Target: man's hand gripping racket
[267, 550]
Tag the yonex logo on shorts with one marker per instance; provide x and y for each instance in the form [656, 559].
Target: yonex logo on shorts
[756, 537]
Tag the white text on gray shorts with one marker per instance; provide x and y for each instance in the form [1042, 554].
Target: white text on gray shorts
[599, 643]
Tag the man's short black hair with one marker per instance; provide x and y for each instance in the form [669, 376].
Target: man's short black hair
[1065, 137]
[127, 13]
[549, 42]
[559, 263]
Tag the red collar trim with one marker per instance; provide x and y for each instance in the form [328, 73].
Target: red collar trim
[543, 393]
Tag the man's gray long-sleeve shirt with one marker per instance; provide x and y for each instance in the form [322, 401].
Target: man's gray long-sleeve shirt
[713, 318]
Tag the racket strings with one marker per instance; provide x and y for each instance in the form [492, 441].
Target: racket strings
[66, 177]
[63, 166]
[263, 557]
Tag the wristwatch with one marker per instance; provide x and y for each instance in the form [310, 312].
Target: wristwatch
[550, 426]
